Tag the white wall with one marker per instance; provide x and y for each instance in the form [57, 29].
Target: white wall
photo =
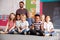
[8, 6]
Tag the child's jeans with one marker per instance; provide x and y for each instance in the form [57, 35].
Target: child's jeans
[50, 33]
[12, 31]
[24, 31]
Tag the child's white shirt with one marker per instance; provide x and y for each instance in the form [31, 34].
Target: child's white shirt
[24, 24]
[48, 26]
[17, 23]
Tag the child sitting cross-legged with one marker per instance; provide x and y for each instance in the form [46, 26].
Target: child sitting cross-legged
[30, 19]
[36, 28]
[48, 26]
[23, 28]
[17, 23]
[11, 24]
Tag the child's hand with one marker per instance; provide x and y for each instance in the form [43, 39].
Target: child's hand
[9, 30]
[25, 27]
[51, 30]
[32, 27]
[6, 32]
[20, 31]
[3, 32]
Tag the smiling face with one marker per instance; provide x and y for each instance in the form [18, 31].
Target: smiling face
[21, 4]
[29, 15]
[23, 17]
[12, 16]
[43, 17]
[48, 19]
[18, 17]
[37, 18]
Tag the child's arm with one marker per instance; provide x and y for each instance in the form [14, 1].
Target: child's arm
[51, 28]
[12, 27]
[19, 30]
[42, 27]
[26, 25]
[32, 27]
[6, 27]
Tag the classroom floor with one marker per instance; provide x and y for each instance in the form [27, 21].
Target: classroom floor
[28, 37]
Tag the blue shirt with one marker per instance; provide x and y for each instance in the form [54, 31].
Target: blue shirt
[30, 21]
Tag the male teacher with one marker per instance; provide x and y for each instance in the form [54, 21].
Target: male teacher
[21, 10]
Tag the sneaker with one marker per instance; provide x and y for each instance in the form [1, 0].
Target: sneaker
[37, 33]
[25, 33]
[47, 34]
[29, 33]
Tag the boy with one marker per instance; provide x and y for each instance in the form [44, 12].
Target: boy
[36, 28]
[30, 19]
[23, 24]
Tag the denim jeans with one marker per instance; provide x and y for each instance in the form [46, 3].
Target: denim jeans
[51, 33]
[12, 31]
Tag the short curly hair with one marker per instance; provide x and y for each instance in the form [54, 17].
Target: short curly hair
[21, 2]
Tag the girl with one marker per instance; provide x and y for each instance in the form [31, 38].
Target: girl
[11, 24]
[17, 22]
[42, 17]
[48, 26]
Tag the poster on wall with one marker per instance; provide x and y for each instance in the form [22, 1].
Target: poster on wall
[33, 6]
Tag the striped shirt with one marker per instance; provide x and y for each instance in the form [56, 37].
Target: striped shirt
[37, 25]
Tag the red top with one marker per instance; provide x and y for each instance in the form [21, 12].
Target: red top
[11, 24]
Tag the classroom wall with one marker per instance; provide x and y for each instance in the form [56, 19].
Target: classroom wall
[8, 6]
[53, 10]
